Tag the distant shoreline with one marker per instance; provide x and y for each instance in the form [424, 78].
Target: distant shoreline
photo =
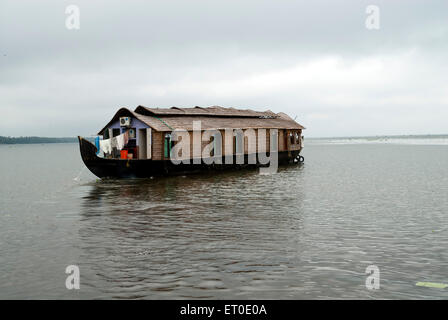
[36, 140]
[40, 140]
[403, 136]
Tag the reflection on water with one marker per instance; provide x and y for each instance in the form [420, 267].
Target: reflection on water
[200, 236]
[309, 231]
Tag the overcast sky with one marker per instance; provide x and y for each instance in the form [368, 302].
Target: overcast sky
[314, 60]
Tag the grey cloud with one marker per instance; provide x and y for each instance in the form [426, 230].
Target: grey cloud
[260, 54]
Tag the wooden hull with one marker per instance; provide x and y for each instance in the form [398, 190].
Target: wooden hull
[145, 168]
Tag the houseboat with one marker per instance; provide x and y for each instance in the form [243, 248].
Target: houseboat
[151, 142]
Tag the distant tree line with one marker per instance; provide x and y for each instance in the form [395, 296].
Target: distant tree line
[34, 140]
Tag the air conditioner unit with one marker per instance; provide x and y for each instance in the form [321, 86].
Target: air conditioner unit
[125, 121]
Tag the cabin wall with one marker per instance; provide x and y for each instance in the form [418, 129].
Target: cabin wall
[281, 140]
[268, 140]
[227, 143]
[250, 141]
[135, 123]
[196, 149]
[294, 143]
[142, 146]
[157, 145]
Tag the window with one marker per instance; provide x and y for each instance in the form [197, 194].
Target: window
[115, 132]
[168, 145]
[291, 138]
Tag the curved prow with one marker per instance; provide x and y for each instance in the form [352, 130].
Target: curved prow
[88, 150]
[98, 166]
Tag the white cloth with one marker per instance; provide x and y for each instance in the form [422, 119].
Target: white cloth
[113, 142]
[120, 141]
[116, 142]
[106, 146]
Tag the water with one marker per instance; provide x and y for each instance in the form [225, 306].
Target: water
[308, 231]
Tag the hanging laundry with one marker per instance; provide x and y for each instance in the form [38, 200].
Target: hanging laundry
[106, 146]
[113, 142]
[97, 145]
[120, 141]
[126, 137]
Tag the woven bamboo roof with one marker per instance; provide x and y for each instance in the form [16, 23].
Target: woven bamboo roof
[168, 119]
[214, 111]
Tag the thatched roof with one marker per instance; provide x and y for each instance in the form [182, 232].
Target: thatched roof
[214, 111]
[168, 119]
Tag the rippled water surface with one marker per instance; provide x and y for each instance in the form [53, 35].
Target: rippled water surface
[308, 231]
